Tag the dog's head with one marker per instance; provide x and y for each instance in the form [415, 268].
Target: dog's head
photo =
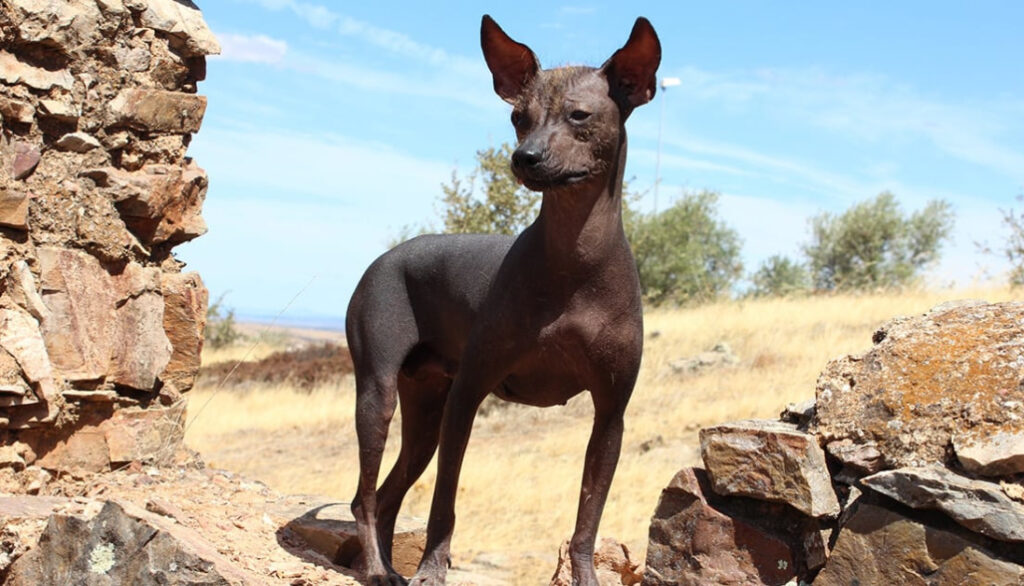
[569, 120]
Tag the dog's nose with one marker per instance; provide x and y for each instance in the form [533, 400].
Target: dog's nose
[525, 157]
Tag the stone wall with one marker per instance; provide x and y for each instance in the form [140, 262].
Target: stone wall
[100, 330]
[908, 468]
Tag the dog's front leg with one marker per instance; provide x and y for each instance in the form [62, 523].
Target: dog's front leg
[469, 389]
[598, 469]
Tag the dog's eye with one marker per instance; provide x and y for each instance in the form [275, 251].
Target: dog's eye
[579, 115]
[517, 118]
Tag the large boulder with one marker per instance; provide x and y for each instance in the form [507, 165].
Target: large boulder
[954, 371]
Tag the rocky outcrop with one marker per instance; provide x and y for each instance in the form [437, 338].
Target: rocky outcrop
[100, 331]
[922, 439]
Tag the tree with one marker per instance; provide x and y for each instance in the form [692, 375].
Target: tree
[221, 330]
[779, 276]
[1013, 249]
[874, 245]
[506, 206]
[685, 254]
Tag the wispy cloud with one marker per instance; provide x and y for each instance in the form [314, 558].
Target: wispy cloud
[251, 48]
[324, 18]
[870, 108]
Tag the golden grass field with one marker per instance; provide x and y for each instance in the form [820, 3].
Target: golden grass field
[520, 481]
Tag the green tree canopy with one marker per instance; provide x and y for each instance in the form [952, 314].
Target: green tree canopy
[685, 254]
[875, 245]
[505, 208]
[779, 276]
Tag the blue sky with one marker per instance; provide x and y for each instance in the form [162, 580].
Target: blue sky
[331, 125]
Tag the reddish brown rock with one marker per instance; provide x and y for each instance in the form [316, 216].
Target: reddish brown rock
[769, 461]
[158, 110]
[611, 561]
[185, 301]
[13, 208]
[26, 157]
[880, 546]
[160, 204]
[79, 295]
[927, 379]
[141, 349]
[693, 543]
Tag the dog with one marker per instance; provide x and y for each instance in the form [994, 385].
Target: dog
[441, 321]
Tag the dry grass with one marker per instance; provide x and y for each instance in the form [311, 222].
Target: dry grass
[521, 475]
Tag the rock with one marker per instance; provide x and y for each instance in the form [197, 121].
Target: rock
[141, 350]
[329, 529]
[799, 413]
[770, 461]
[181, 19]
[720, 355]
[10, 458]
[116, 547]
[879, 546]
[21, 286]
[13, 71]
[66, 26]
[81, 330]
[611, 560]
[13, 208]
[14, 110]
[158, 110]
[81, 452]
[185, 301]
[857, 459]
[927, 379]
[78, 142]
[26, 157]
[150, 435]
[999, 454]
[20, 336]
[691, 542]
[63, 110]
[159, 204]
[980, 506]
[135, 59]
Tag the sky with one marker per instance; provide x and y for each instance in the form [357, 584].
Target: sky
[331, 126]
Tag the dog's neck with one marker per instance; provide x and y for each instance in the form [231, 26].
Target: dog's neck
[582, 226]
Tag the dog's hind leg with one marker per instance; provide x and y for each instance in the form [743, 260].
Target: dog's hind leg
[422, 396]
[379, 345]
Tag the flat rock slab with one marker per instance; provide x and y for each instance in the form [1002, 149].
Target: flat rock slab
[770, 461]
[880, 546]
[955, 369]
[980, 506]
[329, 529]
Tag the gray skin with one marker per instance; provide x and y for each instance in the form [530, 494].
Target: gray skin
[439, 322]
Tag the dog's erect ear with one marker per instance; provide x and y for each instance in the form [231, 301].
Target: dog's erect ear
[512, 64]
[632, 70]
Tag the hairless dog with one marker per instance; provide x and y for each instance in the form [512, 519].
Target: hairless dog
[439, 322]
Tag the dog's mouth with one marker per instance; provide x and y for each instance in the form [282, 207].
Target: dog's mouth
[541, 181]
